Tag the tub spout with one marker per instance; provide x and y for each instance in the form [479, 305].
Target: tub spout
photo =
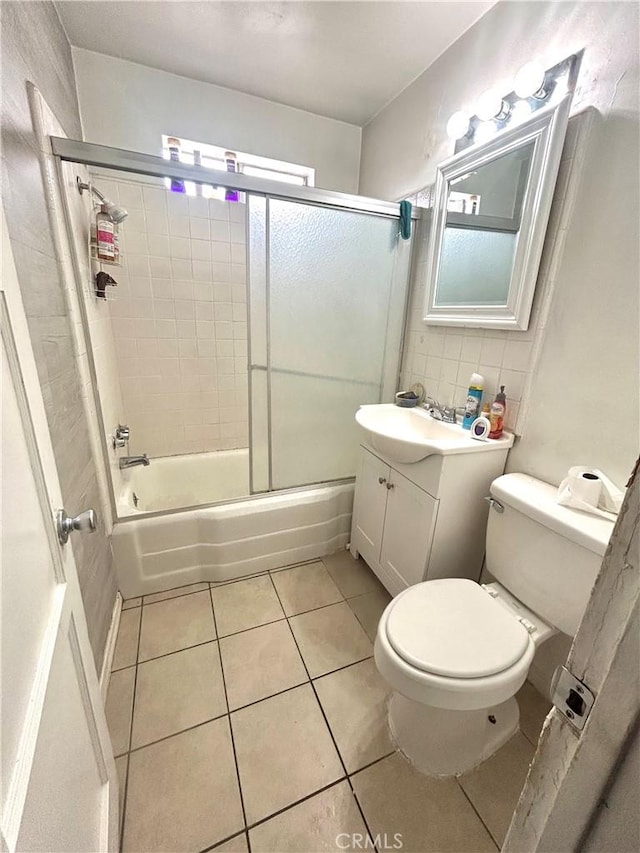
[132, 461]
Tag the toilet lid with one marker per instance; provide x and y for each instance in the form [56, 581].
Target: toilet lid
[453, 627]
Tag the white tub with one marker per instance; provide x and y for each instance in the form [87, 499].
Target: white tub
[219, 543]
[172, 482]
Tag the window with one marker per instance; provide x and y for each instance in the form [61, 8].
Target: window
[213, 157]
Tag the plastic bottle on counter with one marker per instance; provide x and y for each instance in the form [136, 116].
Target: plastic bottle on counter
[498, 412]
[474, 397]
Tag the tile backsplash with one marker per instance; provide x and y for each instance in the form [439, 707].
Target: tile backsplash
[443, 359]
[179, 319]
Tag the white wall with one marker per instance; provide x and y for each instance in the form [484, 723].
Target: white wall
[582, 404]
[130, 106]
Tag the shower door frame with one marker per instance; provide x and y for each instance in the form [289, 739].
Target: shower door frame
[149, 165]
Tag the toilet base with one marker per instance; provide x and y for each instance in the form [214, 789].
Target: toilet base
[441, 742]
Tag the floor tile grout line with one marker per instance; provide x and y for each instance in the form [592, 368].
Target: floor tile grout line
[224, 841]
[228, 713]
[234, 633]
[233, 742]
[313, 609]
[219, 584]
[286, 618]
[261, 625]
[371, 763]
[270, 696]
[170, 597]
[175, 734]
[177, 651]
[125, 798]
[210, 585]
[289, 806]
[480, 818]
[324, 716]
[304, 799]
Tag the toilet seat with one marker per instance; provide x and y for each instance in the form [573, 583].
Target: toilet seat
[493, 681]
[452, 627]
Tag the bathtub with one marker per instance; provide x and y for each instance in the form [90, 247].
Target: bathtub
[174, 547]
[172, 482]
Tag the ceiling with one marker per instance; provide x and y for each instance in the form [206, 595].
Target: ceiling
[344, 60]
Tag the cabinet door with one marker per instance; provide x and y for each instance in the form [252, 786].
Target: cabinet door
[369, 508]
[408, 530]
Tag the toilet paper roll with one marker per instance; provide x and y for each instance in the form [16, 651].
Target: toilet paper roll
[587, 488]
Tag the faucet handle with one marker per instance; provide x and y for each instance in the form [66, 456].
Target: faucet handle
[121, 436]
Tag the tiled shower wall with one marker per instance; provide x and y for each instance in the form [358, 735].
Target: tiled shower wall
[179, 320]
[443, 358]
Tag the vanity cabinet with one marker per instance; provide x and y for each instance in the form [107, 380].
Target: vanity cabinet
[421, 521]
[394, 520]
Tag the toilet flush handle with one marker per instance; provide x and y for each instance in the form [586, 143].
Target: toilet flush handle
[494, 504]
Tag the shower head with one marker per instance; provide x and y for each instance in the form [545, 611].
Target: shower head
[114, 211]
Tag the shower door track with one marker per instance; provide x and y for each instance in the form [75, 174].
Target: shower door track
[102, 156]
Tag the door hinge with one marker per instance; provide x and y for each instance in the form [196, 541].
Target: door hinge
[571, 697]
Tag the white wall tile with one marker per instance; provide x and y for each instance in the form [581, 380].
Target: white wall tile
[492, 351]
[199, 229]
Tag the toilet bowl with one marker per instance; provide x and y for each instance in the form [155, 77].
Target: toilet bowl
[455, 652]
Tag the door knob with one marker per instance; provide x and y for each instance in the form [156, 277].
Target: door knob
[382, 480]
[390, 486]
[85, 522]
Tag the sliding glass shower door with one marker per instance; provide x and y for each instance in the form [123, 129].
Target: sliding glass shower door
[327, 292]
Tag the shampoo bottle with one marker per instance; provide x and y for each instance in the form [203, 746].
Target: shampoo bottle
[498, 411]
[474, 396]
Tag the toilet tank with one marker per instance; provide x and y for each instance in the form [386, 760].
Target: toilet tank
[547, 555]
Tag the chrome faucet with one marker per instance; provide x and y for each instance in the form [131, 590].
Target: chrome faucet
[132, 461]
[446, 414]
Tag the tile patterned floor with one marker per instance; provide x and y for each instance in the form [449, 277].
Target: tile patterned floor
[250, 716]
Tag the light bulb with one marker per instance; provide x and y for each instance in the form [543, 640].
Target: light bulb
[458, 125]
[520, 111]
[491, 105]
[530, 81]
[484, 131]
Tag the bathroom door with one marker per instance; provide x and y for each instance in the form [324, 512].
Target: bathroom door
[59, 784]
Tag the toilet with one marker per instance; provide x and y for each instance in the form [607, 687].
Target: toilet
[456, 652]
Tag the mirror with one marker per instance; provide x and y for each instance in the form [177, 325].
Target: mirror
[491, 208]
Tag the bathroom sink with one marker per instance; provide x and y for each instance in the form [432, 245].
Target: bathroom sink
[409, 435]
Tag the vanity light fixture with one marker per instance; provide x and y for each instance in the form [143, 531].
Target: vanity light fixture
[521, 110]
[534, 88]
[491, 105]
[458, 125]
[484, 131]
[530, 80]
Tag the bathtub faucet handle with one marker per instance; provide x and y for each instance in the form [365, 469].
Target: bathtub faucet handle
[121, 436]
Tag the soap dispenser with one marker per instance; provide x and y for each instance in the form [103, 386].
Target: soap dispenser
[498, 412]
